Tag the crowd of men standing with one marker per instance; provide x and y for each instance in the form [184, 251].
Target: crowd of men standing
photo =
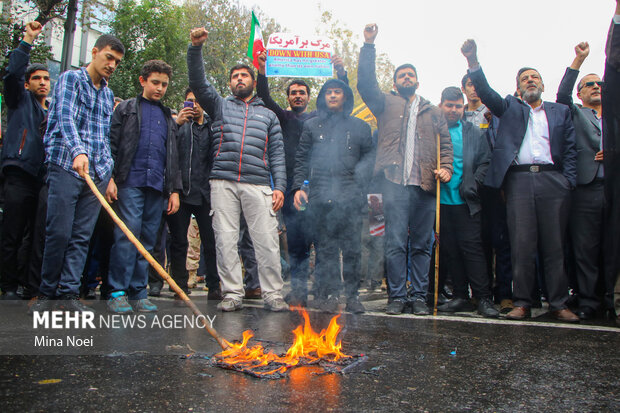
[523, 180]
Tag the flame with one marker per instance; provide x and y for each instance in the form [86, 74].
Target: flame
[308, 347]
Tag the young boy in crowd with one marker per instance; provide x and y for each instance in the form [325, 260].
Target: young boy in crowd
[146, 170]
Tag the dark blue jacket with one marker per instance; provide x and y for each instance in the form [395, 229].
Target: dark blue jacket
[514, 115]
[23, 141]
[124, 138]
[247, 139]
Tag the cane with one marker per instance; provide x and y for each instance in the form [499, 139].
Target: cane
[162, 273]
[437, 208]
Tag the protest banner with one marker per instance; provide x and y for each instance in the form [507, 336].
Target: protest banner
[292, 55]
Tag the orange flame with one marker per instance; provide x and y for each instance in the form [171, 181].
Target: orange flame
[308, 347]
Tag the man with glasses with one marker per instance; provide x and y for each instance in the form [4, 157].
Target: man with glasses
[588, 199]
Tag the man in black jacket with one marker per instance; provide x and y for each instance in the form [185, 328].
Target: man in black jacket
[588, 200]
[611, 147]
[247, 155]
[292, 122]
[23, 154]
[335, 155]
[146, 169]
[461, 252]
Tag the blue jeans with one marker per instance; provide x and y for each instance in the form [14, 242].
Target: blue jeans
[409, 212]
[72, 211]
[141, 209]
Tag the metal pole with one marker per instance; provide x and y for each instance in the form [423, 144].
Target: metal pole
[67, 42]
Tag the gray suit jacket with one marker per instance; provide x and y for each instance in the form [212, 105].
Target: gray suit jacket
[587, 130]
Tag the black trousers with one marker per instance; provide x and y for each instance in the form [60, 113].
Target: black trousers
[178, 224]
[586, 233]
[537, 206]
[336, 229]
[246, 250]
[495, 240]
[21, 192]
[461, 253]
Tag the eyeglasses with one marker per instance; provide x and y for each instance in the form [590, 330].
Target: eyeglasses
[591, 84]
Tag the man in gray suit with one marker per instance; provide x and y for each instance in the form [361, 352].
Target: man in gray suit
[588, 199]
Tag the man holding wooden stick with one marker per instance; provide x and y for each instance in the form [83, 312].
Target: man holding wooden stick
[407, 159]
[76, 143]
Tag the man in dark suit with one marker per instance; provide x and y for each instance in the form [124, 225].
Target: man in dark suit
[611, 147]
[534, 159]
[588, 199]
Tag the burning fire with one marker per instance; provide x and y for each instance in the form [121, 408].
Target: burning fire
[308, 348]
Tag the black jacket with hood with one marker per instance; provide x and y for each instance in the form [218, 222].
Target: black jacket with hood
[335, 152]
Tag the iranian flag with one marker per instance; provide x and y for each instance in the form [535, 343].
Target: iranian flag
[256, 45]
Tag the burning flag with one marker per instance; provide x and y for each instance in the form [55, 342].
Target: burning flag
[309, 348]
[256, 45]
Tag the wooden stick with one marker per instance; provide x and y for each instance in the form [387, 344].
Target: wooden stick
[437, 210]
[162, 273]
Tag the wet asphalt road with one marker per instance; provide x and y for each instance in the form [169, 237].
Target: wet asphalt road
[414, 364]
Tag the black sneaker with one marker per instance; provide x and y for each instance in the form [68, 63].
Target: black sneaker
[40, 304]
[71, 302]
[456, 305]
[10, 297]
[419, 307]
[155, 291]
[487, 309]
[395, 306]
[355, 306]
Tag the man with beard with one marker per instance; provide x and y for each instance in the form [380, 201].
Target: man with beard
[534, 159]
[588, 199]
[407, 159]
[247, 153]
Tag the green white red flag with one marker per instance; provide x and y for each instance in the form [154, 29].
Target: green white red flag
[256, 45]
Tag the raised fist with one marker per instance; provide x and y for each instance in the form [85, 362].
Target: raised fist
[33, 29]
[198, 36]
[370, 32]
[582, 50]
[469, 49]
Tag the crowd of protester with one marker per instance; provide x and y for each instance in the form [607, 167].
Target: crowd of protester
[239, 193]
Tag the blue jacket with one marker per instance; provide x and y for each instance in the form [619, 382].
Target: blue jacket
[23, 141]
[247, 138]
[514, 115]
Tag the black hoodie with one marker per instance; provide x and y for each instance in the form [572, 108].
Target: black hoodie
[335, 152]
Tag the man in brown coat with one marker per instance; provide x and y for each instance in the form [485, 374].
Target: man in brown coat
[407, 159]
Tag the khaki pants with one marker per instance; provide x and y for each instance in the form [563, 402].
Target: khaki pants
[193, 250]
[229, 200]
